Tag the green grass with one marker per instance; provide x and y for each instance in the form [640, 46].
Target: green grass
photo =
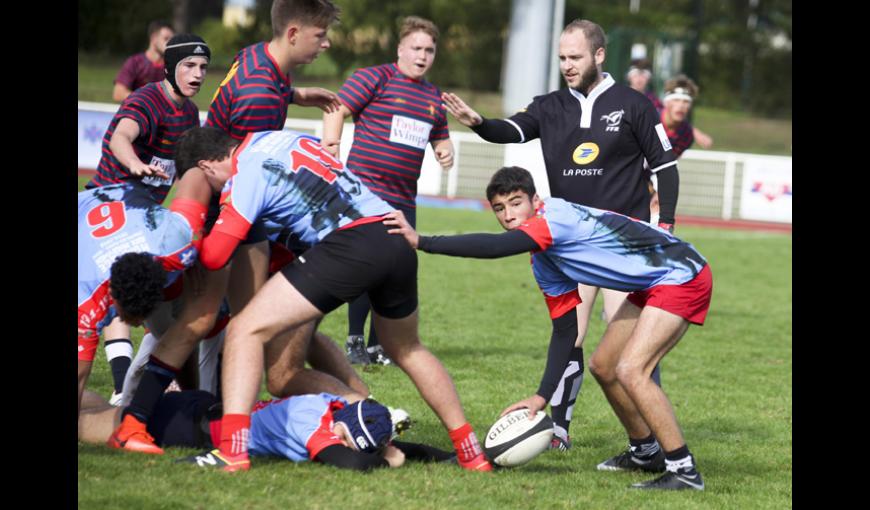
[729, 381]
[731, 131]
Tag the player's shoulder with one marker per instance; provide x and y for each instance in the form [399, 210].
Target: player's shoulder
[378, 74]
[553, 101]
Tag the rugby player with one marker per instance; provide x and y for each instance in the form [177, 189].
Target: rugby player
[396, 113]
[670, 286]
[345, 431]
[287, 179]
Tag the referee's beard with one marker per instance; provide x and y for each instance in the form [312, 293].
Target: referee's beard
[589, 79]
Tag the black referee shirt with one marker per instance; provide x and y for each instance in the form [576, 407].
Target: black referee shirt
[594, 147]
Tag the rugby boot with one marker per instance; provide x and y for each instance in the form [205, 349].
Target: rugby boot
[132, 435]
[680, 480]
[356, 350]
[626, 461]
[217, 459]
[557, 443]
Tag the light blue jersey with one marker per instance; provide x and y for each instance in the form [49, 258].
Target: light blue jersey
[600, 248]
[286, 180]
[297, 427]
[115, 220]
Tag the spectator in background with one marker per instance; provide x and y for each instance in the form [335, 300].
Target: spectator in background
[386, 156]
[143, 68]
[639, 76]
[680, 91]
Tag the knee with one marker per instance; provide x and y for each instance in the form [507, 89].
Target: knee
[629, 374]
[603, 372]
[401, 351]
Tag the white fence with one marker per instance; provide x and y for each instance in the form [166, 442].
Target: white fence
[726, 185]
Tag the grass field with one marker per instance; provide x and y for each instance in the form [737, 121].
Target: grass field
[731, 131]
[729, 381]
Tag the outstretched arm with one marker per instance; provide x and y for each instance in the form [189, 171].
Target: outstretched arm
[491, 130]
[479, 246]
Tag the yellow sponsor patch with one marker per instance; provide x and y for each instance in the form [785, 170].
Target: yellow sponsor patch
[585, 153]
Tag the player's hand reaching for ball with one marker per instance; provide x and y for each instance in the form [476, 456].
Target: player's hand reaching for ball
[315, 96]
[534, 404]
[402, 227]
[463, 113]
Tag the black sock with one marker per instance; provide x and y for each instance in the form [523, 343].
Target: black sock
[357, 312]
[156, 378]
[120, 354]
[562, 402]
[644, 448]
[373, 336]
[680, 460]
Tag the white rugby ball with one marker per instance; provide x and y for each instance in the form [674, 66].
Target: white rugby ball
[515, 439]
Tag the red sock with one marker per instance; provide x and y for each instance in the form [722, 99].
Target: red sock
[235, 431]
[465, 443]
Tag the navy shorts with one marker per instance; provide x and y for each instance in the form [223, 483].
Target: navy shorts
[353, 261]
[182, 419]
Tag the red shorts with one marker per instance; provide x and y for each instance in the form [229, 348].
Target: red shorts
[689, 300]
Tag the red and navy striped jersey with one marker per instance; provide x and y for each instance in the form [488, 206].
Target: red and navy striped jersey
[681, 138]
[161, 123]
[253, 97]
[395, 117]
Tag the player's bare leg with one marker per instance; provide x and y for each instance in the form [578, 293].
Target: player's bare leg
[274, 311]
[286, 374]
[613, 299]
[401, 342]
[326, 356]
[250, 270]
[603, 363]
[98, 419]
[655, 334]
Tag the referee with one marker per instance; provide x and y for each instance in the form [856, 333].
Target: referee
[595, 136]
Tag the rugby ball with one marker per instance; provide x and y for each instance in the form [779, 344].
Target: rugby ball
[515, 439]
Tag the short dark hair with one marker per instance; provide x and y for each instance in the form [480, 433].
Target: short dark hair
[319, 13]
[592, 31]
[158, 25]
[509, 179]
[201, 144]
[136, 283]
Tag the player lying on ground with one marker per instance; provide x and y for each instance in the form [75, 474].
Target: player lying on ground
[346, 432]
[287, 179]
[670, 285]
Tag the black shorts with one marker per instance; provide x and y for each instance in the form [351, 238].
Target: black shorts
[182, 419]
[350, 262]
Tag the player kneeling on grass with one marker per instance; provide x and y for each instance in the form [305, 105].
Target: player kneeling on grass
[347, 432]
[670, 285]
